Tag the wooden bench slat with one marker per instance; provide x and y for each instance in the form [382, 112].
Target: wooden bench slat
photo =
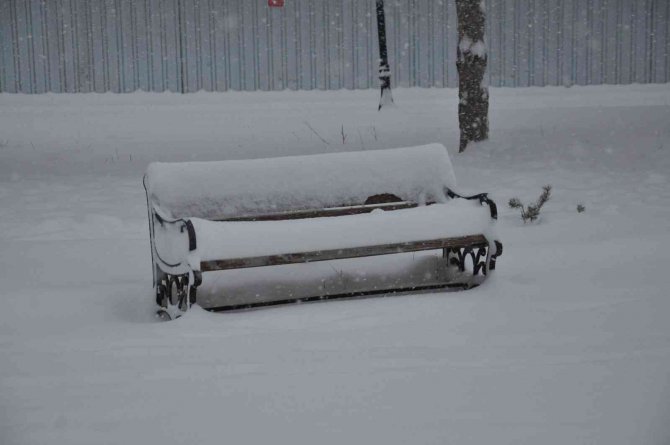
[317, 213]
[337, 254]
[325, 297]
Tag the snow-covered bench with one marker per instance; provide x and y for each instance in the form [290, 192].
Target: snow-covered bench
[207, 216]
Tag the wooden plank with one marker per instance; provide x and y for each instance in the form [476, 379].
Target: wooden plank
[337, 254]
[319, 213]
[389, 291]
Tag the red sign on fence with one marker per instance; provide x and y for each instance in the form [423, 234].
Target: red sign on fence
[276, 3]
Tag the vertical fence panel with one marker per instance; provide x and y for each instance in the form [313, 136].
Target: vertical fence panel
[218, 45]
[189, 44]
[638, 38]
[5, 53]
[614, 33]
[401, 62]
[51, 32]
[659, 38]
[345, 36]
[437, 43]
[341, 43]
[36, 51]
[20, 47]
[332, 46]
[421, 42]
[508, 48]
[140, 54]
[264, 48]
[493, 42]
[358, 23]
[566, 43]
[667, 42]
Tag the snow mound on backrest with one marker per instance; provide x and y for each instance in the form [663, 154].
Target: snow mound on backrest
[225, 189]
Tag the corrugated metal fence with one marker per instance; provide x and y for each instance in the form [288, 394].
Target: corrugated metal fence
[189, 45]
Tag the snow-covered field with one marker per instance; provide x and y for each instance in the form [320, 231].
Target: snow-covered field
[568, 343]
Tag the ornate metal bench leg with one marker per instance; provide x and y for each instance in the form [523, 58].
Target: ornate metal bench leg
[175, 294]
[455, 257]
[193, 287]
[479, 256]
[476, 256]
[499, 250]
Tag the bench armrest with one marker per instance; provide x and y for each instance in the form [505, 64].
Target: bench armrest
[482, 197]
[158, 215]
[186, 224]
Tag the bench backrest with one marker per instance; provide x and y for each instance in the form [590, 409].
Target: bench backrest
[246, 188]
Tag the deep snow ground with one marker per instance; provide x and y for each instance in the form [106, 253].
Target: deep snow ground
[568, 343]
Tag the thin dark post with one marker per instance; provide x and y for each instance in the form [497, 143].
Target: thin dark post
[384, 69]
[473, 106]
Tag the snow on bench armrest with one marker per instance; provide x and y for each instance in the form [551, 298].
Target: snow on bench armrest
[233, 188]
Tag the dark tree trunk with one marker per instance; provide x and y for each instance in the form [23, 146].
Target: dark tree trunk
[473, 107]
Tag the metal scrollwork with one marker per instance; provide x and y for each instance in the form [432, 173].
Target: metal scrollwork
[174, 293]
[458, 257]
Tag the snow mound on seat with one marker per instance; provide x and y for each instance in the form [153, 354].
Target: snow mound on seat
[233, 239]
[225, 189]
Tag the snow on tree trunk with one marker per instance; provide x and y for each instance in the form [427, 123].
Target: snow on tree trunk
[473, 107]
[384, 69]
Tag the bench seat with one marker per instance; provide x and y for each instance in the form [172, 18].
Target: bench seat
[237, 240]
